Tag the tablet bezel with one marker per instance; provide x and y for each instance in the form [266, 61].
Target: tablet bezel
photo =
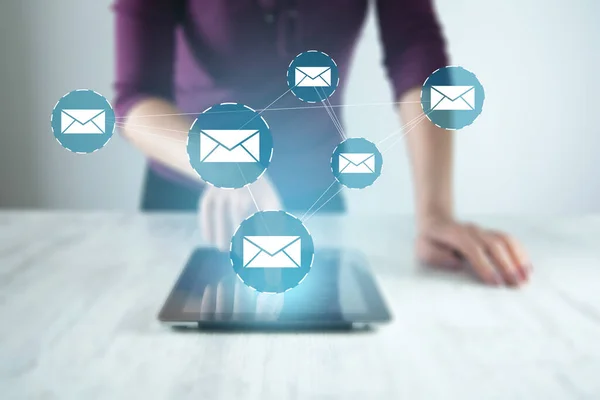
[172, 314]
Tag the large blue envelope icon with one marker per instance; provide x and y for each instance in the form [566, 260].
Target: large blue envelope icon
[272, 251]
[229, 145]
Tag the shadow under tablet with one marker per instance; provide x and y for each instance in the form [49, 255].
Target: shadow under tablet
[338, 294]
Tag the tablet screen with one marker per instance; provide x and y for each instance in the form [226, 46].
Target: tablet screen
[339, 288]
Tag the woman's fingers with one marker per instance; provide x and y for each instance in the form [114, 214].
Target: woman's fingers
[241, 209]
[516, 252]
[224, 299]
[494, 256]
[437, 255]
[238, 210]
[458, 238]
[271, 201]
[232, 299]
[234, 211]
[216, 210]
[220, 219]
[499, 253]
[206, 202]
[221, 211]
[208, 304]
[483, 267]
[244, 301]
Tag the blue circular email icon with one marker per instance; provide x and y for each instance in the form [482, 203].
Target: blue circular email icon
[272, 251]
[83, 121]
[230, 145]
[356, 163]
[313, 76]
[452, 97]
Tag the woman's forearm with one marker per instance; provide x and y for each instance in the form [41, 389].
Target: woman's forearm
[161, 138]
[430, 152]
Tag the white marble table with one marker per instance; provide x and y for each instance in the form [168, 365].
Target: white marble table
[79, 294]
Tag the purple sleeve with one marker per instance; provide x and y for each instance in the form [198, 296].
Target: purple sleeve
[412, 41]
[145, 36]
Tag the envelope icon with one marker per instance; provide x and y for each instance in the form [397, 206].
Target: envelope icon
[453, 98]
[235, 146]
[272, 252]
[357, 163]
[313, 76]
[75, 122]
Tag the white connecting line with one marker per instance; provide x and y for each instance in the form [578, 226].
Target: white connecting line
[336, 122]
[277, 109]
[414, 125]
[262, 218]
[316, 201]
[129, 124]
[329, 108]
[266, 108]
[122, 125]
[253, 199]
[323, 205]
[240, 169]
[338, 125]
[398, 131]
[409, 126]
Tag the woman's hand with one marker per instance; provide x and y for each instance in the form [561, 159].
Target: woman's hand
[494, 257]
[222, 210]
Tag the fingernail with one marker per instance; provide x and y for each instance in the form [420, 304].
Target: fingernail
[523, 276]
[516, 277]
[496, 279]
[524, 272]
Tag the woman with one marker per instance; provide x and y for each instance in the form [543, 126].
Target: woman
[176, 58]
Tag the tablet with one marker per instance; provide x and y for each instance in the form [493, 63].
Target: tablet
[338, 291]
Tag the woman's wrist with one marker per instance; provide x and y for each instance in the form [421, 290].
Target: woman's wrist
[433, 216]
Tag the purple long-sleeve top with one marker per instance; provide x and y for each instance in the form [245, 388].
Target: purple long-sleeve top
[197, 53]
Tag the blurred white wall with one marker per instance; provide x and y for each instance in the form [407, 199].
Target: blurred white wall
[49, 49]
[533, 150]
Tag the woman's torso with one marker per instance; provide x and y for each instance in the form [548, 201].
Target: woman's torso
[239, 51]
